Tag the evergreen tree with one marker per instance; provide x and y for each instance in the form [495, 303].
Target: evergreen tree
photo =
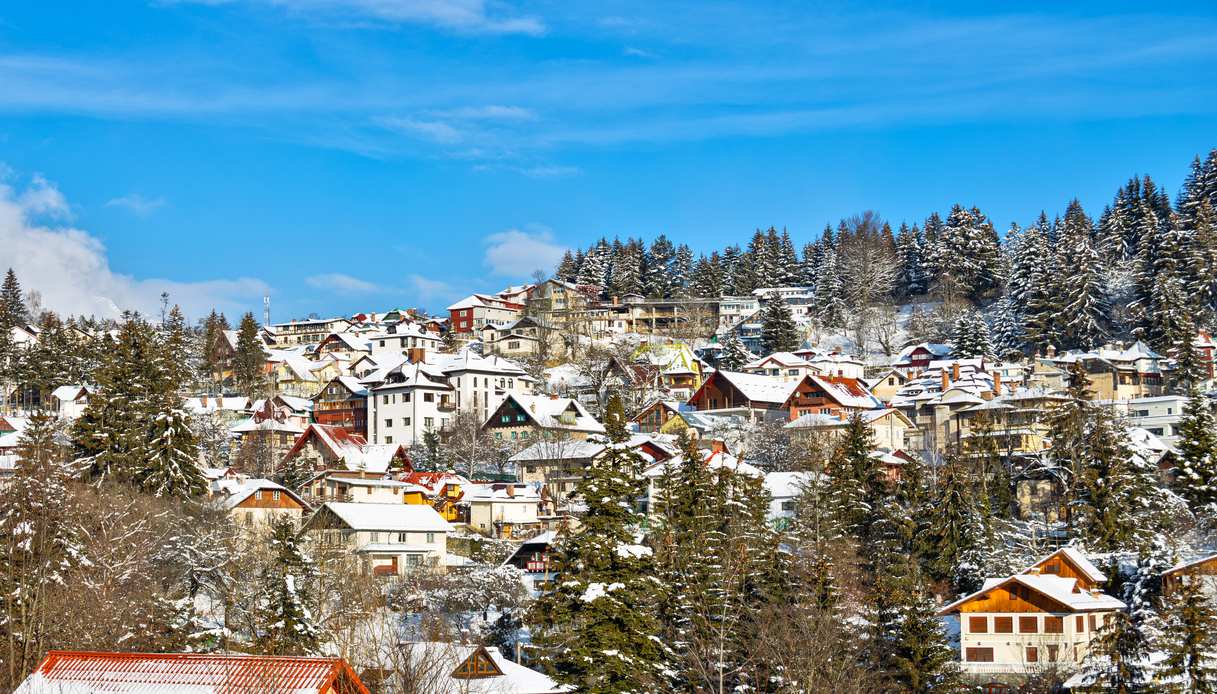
[854, 477]
[596, 630]
[970, 337]
[1202, 262]
[568, 269]
[682, 271]
[286, 625]
[1008, 335]
[957, 535]
[788, 269]
[919, 657]
[1196, 472]
[910, 253]
[733, 355]
[1119, 660]
[1084, 296]
[212, 345]
[250, 359]
[828, 300]
[779, 332]
[706, 281]
[1189, 639]
[595, 267]
[730, 266]
[171, 465]
[625, 276]
[659, 263]
[12, 302]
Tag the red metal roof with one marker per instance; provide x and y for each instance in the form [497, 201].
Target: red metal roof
[130, 673]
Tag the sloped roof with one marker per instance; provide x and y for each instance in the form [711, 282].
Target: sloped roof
[1058, 588]
[849, 392]
[1075, 557]
[759, 388]
[545, 411]
[245, 489]
[447, 657]
[69, 393]
[79, 672]
[816, 420]
[392, 517]
[249, 425]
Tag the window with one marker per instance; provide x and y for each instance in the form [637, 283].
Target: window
[388, 423]
[388, 439]
[412, 560]
[506, 419]
[258, 495]
[787, 505]
[1028, 625]
[405, 397]
[402, 538]
[428, 422]
[428, 397]
[430, 538]
[1033, 654]
[1054, 625]
[374, 537]
[978, 655]
[1080, 624]
[1093, 624]
[978, 625]
[1003, 625]
[405, 421]
[1053, 653]
[275, 495]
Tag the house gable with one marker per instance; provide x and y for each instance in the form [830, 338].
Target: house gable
[1012, 596]
[478, 665]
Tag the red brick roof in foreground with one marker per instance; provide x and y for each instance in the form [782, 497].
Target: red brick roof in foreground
[131, 673]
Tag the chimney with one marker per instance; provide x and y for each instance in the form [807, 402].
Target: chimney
[718, 446]
[955, 371]
[946, 380]
[219, 402]
[204, 400]
[1051, 351]
[997, 383]
[511, 491]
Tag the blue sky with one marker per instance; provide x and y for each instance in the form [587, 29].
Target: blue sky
[349, 155]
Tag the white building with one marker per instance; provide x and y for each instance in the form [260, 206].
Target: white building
[1159, 415]
[503, 510]
[391, 539]
[71, 401]
[1046, 616]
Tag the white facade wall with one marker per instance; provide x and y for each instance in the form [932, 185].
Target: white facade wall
[402, 414]
[1010, 650]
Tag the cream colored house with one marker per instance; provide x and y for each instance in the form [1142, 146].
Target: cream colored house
[503, 510]
[1045, 617]
[889, 426]
[390, 539]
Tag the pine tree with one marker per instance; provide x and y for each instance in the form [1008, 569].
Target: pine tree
[1202, 262]
[828, 300]
[212, 345]
[1189, 639]
[568, 269]
[659, 263]
[706, 280]
[970, 337]
[286, 626]
[171, 465]
[919, 657]
[956, 538]
[1196, 473]
[1008, 335]
[595, 267]
[854, 476]
[1119, 660]
[779, 332]
[12, 302]
[1085, 301]
[625, 276]
[596, 630]
[682, 270]
[910, 253]
[733, 355]
[788, 270]
[250, 359]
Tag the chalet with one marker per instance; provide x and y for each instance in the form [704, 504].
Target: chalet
[680, 371]
[916, 358]
[356, 486]
[1045, 616]
[536, 417]
[558, 464]
[259, 502]
[533, 558]
[829, 395]
[259, 433]
[441, 491]
[296, 374]
[521, 338]
[205, 673]
[886, 384]
[331, 447]
[750, 392]
[343, 403]
[503, 510]
[785, 365]
[1202, 570]
[345, 345]
[888, 426]
[70, 401]
[470, 315]
[658, 417]
[836, 364]
[474, 669]
[391, 539]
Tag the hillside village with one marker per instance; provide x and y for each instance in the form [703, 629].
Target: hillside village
[923, 460]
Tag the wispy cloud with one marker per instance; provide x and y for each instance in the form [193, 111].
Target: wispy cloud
[137, 204]
[488, 113]
[343, 284]
[428, 290]
[517, 253]
[462, 16]
[433, 130]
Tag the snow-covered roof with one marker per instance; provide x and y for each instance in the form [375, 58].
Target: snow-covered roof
[1059, 588]
[240, 491]
[216, 403]
[783, 359]
[849, 392]
[816, 420]
[76, 672]
[759, 388]
[1079, 560]
[447, 657]
[787, 485]
[391, 517]
[269, 424]
[546, 412]
[70, 393]
[487, 493]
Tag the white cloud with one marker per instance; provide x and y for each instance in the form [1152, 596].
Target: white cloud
[429, 289]
[464, 16]
[137, 204]
[492, 112]
[434, 130]
[343, 284]
[516, 253]
[71, 271]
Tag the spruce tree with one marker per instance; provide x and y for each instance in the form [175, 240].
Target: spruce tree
[596, 630]
[970, 336]
[250, 359]
[1119, 660]
[286, 626]
[568, 269]
[171, 465]
[1196, 472]
[682, 271]
[12, 302]
[828, 300]
[734, 355]
[854, 477]
[779, 332]
[1189, 639]
[659, 263]
[957, 535]
[1086, 309]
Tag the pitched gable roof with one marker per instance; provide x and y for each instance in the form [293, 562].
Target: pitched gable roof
[1061, 590]
[81, 672]
[392, 517]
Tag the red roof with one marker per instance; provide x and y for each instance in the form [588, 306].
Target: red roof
[128, 673]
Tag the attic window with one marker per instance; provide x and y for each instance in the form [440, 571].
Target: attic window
[477, 666]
